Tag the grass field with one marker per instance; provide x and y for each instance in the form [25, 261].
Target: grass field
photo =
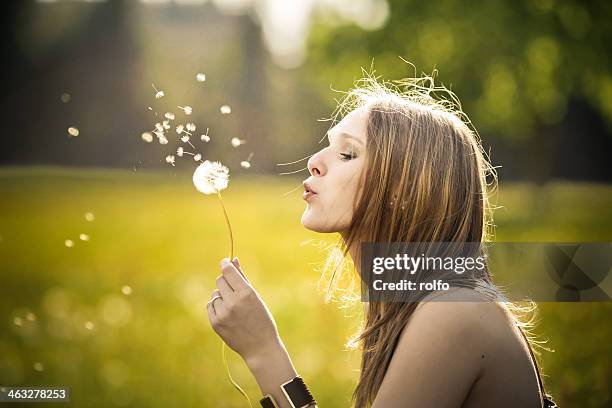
[121, 318]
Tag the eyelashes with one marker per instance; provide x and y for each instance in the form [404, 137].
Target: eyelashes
[347, 156]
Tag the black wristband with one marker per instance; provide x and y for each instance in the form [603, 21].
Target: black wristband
[297, 393]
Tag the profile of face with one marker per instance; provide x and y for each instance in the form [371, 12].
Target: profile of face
[333, 187]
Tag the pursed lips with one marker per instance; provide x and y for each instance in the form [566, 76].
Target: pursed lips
[308, 192]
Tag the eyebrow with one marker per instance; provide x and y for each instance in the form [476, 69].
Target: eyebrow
[347, 136]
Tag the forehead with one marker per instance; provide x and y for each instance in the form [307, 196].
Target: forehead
[354, 123]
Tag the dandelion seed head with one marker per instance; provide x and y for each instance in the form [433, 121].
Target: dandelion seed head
[170, 159]
[179, 129]
[38, 366]
[89, 216]
[200, 77]
[84, 237]
[197, 157]
[72, 131]
[205, 138]
[147, 137]
[126, 290]
[169, 115]
[18, 321]
[69, 243]
[179, 152]
[65, 97]
[211, 177]
[185, 138]
[245, 164]
[191, 127]
[225, 109]
[159, 94]
[237, 142]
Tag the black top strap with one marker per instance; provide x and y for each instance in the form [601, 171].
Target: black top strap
[547, 402]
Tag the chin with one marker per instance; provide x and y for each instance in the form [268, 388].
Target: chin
[313, 223]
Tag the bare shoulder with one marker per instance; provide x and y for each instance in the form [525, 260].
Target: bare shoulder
[442, 347]
[462, 310]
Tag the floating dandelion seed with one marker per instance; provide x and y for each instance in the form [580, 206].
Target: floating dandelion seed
[170, 159]
[187, 109]
[205, 137]
[89, 216]
[39, 367]
[31, 317]
[237, 142]
[197, 157]
[18, 321]
[185, 139]
[225, 109]
[149, 108]
[179, 152]
[147, 137]
[126, 290]
[200, 77]
[245, 164]
[211, 177]
[84, 237]
[69, 243]
[169, 115]
[179, 129]
[158, 94]
[159, 127]
[72, 131]
[190, 127]
[163, 140]
[89, 325]
[65, 97]
[166, 124]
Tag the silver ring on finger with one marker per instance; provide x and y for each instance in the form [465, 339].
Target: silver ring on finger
[215, 298]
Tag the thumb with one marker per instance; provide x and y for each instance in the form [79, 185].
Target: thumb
[237, 265]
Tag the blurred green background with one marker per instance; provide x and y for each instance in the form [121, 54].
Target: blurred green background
[113, 305]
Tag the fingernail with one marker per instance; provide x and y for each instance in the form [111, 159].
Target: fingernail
[224, 261]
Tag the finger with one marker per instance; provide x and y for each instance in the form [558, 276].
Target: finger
[233, 277]
[215, 301]
[224, 288]
[236, 263]
[210, 310]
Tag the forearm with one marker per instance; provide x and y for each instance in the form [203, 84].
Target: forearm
[271, 369]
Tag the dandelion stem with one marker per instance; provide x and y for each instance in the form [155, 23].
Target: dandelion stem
[229, 226]
[227, 370]
[223, 346]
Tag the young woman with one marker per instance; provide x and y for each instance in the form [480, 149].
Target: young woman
[401, 166]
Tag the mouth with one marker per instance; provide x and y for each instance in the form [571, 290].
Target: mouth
[308, 192]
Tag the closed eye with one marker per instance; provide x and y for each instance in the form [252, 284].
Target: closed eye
[347, 156]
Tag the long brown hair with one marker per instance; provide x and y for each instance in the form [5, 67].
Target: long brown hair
[426, 179]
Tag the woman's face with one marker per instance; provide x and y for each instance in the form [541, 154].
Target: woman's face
[333, 187]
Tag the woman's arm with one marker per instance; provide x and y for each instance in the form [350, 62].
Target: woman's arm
[242, 319]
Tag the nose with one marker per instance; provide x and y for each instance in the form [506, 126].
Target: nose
[316, 167]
